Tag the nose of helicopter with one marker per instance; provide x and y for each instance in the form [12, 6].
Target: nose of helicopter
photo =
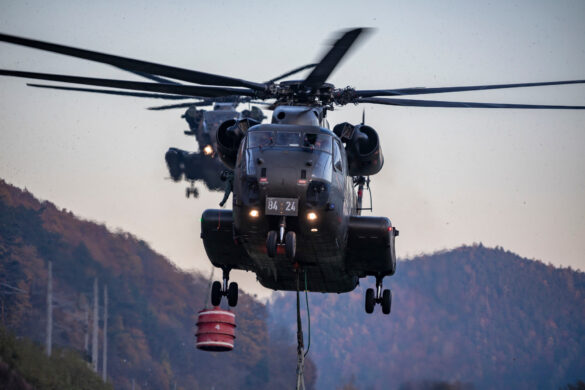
[289, 173]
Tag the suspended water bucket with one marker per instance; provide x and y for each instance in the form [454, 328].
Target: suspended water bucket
[216, 330]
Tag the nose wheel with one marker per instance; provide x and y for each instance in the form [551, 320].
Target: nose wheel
[230, 291]
[288, 239]
[383, 297]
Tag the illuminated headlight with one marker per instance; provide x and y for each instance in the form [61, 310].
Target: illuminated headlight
[311, 216]
[208, 150]
[254, 213]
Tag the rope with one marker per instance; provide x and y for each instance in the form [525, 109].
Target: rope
[300, 355]
[208, 295]
[308, 315]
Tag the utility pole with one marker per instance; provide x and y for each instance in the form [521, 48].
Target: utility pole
[49, 340]
[94, 339]
[86, 329]
[105, 333]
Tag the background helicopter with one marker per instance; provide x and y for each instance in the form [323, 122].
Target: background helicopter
[203, 124]
[312, 93]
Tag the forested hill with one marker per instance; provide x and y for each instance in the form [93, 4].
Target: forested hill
[152, 304]
[485, 318]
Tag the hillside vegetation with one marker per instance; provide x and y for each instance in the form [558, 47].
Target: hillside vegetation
[24, 365]
[152, 304]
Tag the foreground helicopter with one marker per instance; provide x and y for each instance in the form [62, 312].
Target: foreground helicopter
[295, 204]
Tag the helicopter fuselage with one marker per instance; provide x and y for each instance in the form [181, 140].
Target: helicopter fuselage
[293, 176]
[287, 175]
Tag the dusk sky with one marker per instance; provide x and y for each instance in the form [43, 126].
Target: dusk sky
[510, 178]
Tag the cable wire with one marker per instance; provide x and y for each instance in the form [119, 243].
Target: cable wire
[308, 316]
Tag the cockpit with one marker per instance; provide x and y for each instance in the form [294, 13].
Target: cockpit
[301, 140]
[283, 153]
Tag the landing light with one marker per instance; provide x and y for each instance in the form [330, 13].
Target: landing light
[312, 216]
[314, 230]
[254, 213]
[208, 150]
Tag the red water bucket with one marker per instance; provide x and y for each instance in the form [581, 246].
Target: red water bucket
[216, 330]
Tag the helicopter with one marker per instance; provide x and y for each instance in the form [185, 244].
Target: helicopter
[297, 183]
[203, 124]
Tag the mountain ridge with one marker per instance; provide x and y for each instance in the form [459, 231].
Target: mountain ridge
[470, 317]
[475, 315]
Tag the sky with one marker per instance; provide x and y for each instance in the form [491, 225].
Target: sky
[510, 178]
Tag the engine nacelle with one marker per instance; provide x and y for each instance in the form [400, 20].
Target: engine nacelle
[362, 146]
[229, 135]
[175, 159]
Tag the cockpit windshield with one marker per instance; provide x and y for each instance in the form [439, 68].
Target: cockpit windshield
[291, 139]
[260, 138]
[263, 139]
[320, 142]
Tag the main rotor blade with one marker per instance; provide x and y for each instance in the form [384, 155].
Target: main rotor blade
[208, 102]
[421, 91]
[186, 90]
[181, 105]
[326, 66]
[135, 65]
[150, 76]
[113, 92]
[297, 70]
[433, 103]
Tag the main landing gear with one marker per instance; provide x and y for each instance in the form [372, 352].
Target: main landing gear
[230, 291]
[288, 239]
[382, 297]
[191, 190]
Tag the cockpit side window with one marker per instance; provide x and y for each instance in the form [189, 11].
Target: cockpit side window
[337, 162]
[239, 159]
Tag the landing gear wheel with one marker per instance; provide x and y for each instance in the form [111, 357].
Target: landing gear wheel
[386, 301]
[232, 294]
[290, 244]
[370, 300]
[271, 243]
[216, 293]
